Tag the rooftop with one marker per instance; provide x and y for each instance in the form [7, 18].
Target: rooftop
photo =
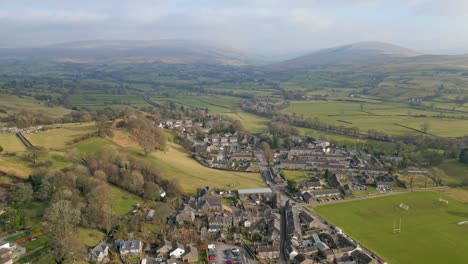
[254, 190]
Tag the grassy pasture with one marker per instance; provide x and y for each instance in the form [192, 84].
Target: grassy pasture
[429, 230]
[58, 159]
[11, 143]
[175, 164]
[328, 136]
[251, 122]
[89, 237]
[12, 104]
[100, 100]
[291, 175]
[123, 201]
[452, 172]
[460, 194]
[379, 116]
[91, 145]
[59, 138]
[215, 103]
[16, 166]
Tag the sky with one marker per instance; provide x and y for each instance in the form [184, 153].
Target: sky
[256, 26]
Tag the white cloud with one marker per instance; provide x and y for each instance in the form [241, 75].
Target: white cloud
[262, 25]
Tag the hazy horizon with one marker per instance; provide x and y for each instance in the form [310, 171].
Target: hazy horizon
[255, 26]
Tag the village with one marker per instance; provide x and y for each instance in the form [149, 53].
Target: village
[331, 173]
[260, 225]
[245, 226]
[274, 224]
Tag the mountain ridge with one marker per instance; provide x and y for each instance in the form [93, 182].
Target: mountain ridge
[363, 52]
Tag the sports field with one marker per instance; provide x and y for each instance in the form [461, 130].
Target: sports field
[429, 231]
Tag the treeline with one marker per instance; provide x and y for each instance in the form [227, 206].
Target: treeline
[27, 118]
[149, 136]
[131, 173]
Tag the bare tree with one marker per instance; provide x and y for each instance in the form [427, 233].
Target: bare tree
[267, 152]
[425, 127]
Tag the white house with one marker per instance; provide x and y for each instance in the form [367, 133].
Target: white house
[177, 251]
[6, 252]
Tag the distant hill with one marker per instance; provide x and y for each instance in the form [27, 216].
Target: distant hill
[166, 51]
[357, 53]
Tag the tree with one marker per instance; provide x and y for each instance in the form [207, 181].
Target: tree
[267, 152]
[149, 136]
[425, 127]
[1, 150]
[287, 143]
[62, 217]
[133, 181]
[103, 126]
[151, 191]
[22, 193]
[99, 209]
[275, 142]
[463, 158]
[68, 249]
[33, 154]
[292, 186]
[43, 191]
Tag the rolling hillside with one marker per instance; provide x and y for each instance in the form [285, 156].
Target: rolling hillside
[166, 51]
[357, 53]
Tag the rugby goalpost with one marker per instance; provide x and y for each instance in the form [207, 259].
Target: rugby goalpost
[443, 201]
[404, 206]
[396, 229]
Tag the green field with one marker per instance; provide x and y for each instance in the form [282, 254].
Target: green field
[89, 237]
[91, 145]
[59, 138]
[14, 104]
[291, 175]
[11, 143]
[309, 132]
[123, 201]
[14, 165]
[391, 118]
[214, 104]
[252, 123]
[429, 229]
[176, 164]
[452, 172]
